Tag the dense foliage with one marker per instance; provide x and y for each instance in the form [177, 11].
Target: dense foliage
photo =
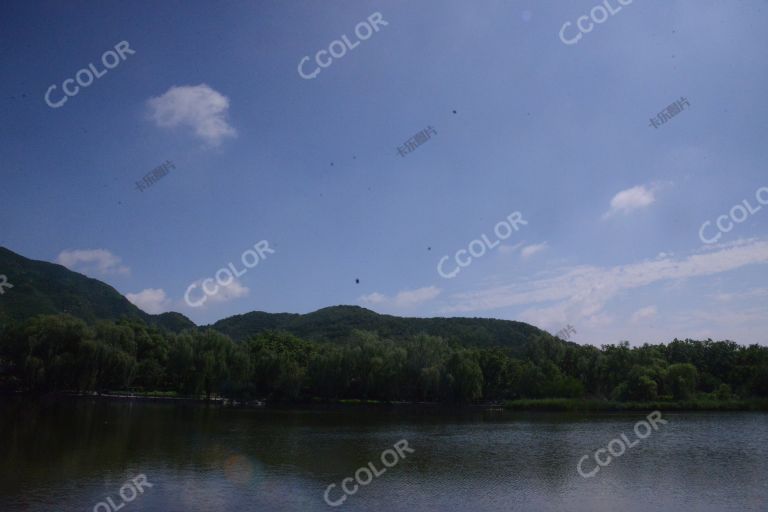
[62, 353]
[339, 323]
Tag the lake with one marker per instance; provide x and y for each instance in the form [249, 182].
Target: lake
[80, 454]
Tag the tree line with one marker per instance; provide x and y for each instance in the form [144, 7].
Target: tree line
[61, 353]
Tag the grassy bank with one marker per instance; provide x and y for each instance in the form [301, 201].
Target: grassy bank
[567, 404]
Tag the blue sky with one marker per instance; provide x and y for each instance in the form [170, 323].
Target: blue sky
[560, 133]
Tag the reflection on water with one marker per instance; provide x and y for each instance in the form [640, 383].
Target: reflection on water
[71, 455]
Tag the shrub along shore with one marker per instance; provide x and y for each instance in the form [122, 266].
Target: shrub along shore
[576, 405]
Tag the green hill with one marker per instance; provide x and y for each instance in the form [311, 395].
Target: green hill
[335, 324]
[40, 287]
[172, 321]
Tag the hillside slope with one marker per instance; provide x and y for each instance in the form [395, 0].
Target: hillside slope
[336, 323]
[40, 287]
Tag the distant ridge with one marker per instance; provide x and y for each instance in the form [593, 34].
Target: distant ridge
[336, 324]
[47, 288]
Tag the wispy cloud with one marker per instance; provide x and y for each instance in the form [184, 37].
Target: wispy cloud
[195, 106]
[747, 294]
[580, 293]
[404, 299]
[644, 314]
[630, 200]
[151, 300]
[510, 249]
[232, 291]
[530, 250]
[92, 262]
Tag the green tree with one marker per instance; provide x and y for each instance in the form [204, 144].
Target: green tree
[681, 380]
[466, 377]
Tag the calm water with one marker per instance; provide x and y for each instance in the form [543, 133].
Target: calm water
[72, 455]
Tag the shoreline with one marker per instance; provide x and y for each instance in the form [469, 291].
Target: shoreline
[520, 405]
[578, 405]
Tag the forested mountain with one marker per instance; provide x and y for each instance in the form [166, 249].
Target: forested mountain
[338, 323]
[172, 321]
[40, 287]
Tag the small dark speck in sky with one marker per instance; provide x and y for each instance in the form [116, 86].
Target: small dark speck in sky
[429, 248]
[357, 281]
[454, 111]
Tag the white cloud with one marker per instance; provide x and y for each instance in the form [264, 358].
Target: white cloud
[155, 301]
[404, 299]
[748, 294]
[630, 200]
[151, 300]
[195, 106]
[374, 298]
[92, 261]
[197, 295]
[644, 314]
[530, 250]
[509, 249]
[232, 291]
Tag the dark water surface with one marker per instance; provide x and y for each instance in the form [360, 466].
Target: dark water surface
[72, 455]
